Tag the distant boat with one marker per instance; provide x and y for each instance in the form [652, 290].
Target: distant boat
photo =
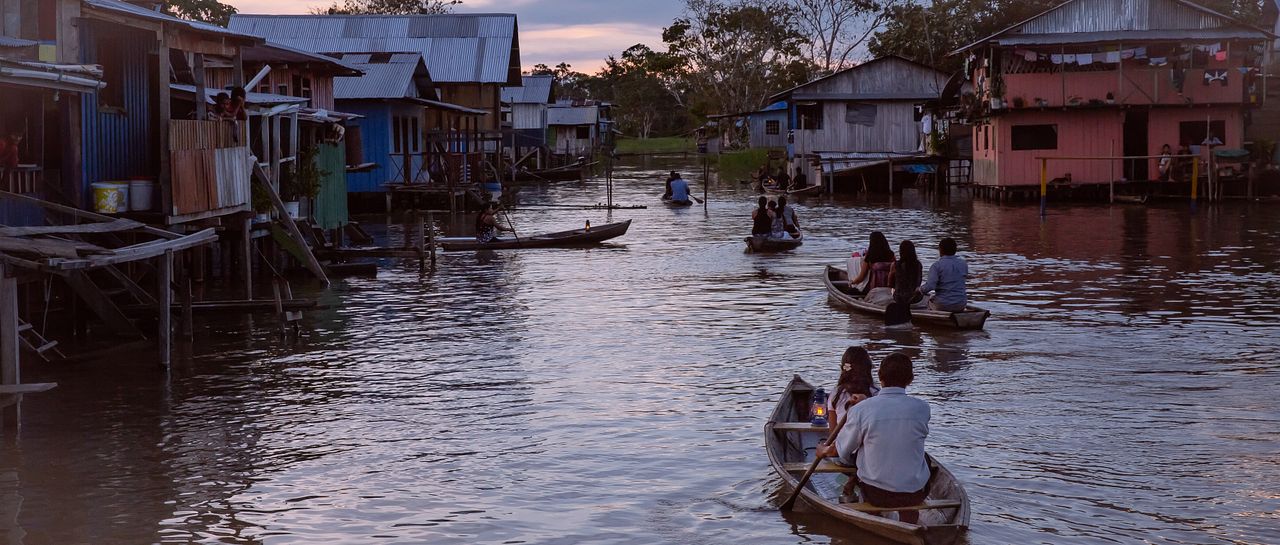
[789, 440]
[837, 283]
[766, 243]
[562, 239]
[807, 190]
[574, 171]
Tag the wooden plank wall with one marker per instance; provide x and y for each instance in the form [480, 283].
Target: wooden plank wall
[210, 165]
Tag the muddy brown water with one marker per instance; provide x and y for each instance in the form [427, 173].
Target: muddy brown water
[1124, 390]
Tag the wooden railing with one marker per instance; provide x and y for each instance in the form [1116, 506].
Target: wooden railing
[210, 165]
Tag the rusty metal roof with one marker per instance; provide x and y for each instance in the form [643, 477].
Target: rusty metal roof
[131, 10]
[458, 48]
[1116, 20]
[533, 90]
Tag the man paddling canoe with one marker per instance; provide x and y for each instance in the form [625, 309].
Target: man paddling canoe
[679, 190]
[884, 437]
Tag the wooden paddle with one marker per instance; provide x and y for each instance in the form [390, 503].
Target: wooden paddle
[511, 225]
[804, 479]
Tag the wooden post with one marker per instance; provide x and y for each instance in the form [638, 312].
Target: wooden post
[164, 297]
[1111, 185]
[246, 256]
[1195, 181]
[188, 327]
[10, 372]
[419, 240]
[1044, 183]
[162, 121]
[431, 237]
[197, 73]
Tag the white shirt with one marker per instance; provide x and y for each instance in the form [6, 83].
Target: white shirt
[835, 405]
[886, 434]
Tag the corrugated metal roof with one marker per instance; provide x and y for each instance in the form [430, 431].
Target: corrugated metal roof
[131, 10]
[1133, 37]
[1187, 21]
[534, 90]
[7, 41]
[457, 47]
[272, 52]
[572, 115]
[387, 80]
[836, 162]
[255, 99]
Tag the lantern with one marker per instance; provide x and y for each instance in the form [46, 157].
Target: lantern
[818, 408]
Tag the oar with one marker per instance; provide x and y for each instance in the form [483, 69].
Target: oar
[791, 500]
[695, 198]
[511, 225]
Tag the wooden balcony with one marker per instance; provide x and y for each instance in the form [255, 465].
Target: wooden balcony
[210, 168]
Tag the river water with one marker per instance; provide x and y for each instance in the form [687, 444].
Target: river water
[1123, 390]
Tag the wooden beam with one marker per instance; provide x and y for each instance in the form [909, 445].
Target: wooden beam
[82, 228]
[81, 214]
[137, 252]
[133, 287]
[49, 247]
[246, 256]
[33, 388]
[310, 262]
[197, 73]
[161, 121]
[101, 305]
[165, 298]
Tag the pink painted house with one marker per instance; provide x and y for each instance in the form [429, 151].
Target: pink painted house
[1106, 78]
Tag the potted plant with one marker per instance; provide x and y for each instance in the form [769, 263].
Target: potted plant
[1019, 102]
[261, 204]
[303, 182]
[1111, 98]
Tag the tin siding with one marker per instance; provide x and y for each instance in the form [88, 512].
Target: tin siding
[331, 203]
[375, 134]
[118, 145]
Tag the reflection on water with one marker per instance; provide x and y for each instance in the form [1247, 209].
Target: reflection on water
[1122, 392]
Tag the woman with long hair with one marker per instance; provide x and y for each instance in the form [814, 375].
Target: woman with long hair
[876, 264]
[855, 383]
[761, 218]
[906, 274]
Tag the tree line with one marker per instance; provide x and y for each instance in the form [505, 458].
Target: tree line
[730, 56]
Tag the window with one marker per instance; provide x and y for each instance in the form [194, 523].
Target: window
[301, 86]
[1194, 133]
[986, 137]
[397, 134]
[810, 116]
[860, 114]
[413, 135]
[264, 86]
[282, 89]
[1031, 137]
[112, 58]
[584, 133]
[772, 126]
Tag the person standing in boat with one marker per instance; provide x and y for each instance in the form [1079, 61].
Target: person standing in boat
[876, 264]
[946, 278]
[761, 219]
[788, 216]
[884, 437]
[679, 189]
[487, 226]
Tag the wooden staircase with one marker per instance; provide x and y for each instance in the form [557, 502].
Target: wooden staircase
[32, 340]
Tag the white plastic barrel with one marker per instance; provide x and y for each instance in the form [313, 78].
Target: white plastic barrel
[141, 194]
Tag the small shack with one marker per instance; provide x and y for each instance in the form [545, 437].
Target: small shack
[528, 106]
[574, 130]
[874, 109]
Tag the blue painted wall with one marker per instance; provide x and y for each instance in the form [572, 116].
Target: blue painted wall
[118, 145]
[375, 134]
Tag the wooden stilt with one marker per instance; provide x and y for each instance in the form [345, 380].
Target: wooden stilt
[246, 257]
[9, 347]
[165, 297]
[188, 327]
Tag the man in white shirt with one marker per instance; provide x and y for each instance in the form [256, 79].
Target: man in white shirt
[884, 437]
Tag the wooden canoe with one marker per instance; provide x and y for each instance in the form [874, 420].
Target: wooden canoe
[837, 282]
[562, 239]
[790, 440]
[676, 204]
[807, 190]
[766, 244]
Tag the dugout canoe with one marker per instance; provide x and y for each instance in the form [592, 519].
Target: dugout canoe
[790, 440]
[676, 204]
[768, 244]
[837, 283]
[562, 239]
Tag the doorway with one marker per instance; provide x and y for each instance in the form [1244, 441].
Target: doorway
[1135, 143]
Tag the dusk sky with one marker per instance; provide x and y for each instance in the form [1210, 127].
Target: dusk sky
[580, 32]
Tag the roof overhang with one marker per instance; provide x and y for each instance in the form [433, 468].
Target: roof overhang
[72, 78]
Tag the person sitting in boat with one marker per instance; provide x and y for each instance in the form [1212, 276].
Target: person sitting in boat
[906, 274]
[876, 265]
[782, 180]
[777, 229]
[761, 218]
[800, 181]
[666, 195]
[854, 385]
[679, 190]
[788, 216]
[946, 279]
[884, 438]
[487, 226]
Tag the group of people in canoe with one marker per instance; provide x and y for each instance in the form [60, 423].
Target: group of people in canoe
[780, 181]
[774, 219]
[884, 279]
[879, 430]
[677, 191]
